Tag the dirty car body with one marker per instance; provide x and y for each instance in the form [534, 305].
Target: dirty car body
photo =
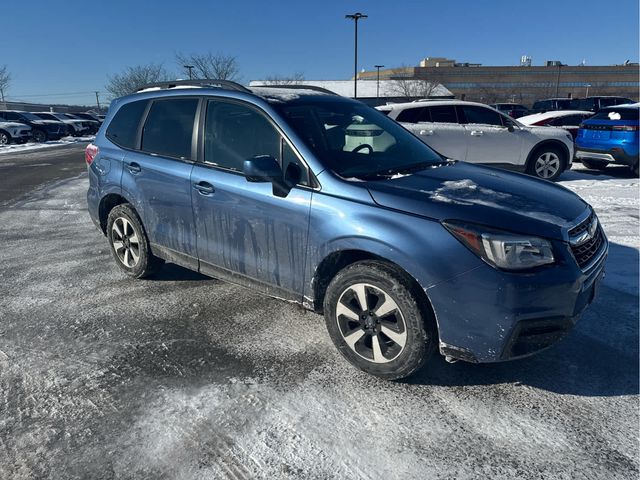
[387, 199]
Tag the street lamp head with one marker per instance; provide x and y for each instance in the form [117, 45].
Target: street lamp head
[356, 16]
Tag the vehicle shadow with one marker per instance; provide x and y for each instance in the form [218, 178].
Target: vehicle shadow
[598, 358]
[579, 172]
[170, 272]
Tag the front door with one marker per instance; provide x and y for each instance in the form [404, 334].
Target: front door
[245, 232]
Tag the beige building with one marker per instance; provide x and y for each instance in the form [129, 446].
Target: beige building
[522, 84]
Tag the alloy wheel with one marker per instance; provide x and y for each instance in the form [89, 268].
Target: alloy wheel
[371, 323]
[125, 242]
[4, 139]
[547, 165]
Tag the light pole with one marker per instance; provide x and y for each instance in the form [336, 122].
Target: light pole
[587, 93]
[378, 80]
[355, 17]
[97, 99]
[189, 67]
[558, 79]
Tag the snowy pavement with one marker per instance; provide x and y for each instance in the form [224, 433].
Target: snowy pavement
[187, 377]
[30, 146]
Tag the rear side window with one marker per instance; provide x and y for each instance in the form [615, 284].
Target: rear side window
[123, 129]
[443, 114]
[168, 130]
[414, 115]
[481, 115]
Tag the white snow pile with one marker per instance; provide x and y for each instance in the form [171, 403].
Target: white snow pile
[23, 147]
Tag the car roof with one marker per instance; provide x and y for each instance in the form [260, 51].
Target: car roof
[432, 103]
[536, 117]
[622, 105]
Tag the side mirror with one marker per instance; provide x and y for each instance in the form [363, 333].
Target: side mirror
[263, 168]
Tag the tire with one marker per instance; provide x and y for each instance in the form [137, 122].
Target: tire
[5, 138]
[595, 164]
[547, 163]
[129, 243]
[39, 136]
[635, 169]
[405, 333]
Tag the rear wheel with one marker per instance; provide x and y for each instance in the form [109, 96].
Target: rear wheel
[595, 164]
[635, 170]
[39, 136]
[129, 243]
[547, 163]
[376, 321]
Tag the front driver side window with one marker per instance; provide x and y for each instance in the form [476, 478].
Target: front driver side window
[481, 115]
[235, 132]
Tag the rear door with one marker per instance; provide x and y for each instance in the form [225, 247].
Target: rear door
[246, 233]
[157, 176]
[438, 126]
[490, 141]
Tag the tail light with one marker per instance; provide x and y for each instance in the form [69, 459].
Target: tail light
[625, 128]
[90, 153]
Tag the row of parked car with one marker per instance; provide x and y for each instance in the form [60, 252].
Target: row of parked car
[589, 104]
[20, 127]
[541, 144]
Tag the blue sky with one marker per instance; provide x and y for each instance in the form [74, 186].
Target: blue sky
[71, 47]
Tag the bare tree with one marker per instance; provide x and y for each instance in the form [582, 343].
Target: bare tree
[5, 80]
[297, 77]
[423, 87]
[210, 65]
[134, 78]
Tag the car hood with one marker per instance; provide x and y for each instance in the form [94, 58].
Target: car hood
[482, 195]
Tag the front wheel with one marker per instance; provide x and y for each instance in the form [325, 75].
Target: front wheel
[547, 163]
[5, 139]
[129, 243]
[376, 322]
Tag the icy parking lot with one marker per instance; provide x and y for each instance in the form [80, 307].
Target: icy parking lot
[182, 376]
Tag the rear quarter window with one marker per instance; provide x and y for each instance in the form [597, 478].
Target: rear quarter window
[414, 115]
[123, 129]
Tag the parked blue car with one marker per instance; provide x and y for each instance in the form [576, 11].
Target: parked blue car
[610, 136]
[326, 202]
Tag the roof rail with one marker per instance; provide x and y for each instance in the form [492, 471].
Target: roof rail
[298, 87]
[207, 82]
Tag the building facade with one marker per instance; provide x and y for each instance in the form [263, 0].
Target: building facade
[521, 84]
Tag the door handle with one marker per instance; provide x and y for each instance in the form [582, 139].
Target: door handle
[133, 168]
[426, 132]
[477, 133]
[204, 188]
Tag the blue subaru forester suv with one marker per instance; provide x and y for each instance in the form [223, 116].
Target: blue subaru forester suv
[326, 202]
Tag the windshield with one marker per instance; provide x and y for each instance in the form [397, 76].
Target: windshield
[46, 116]
[355, 140]
[29, 116]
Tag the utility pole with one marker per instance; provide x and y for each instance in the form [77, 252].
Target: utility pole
[189, 67]
[378, 80]
[2, 95]
[355, 17]
[558, 79]
[97, 99]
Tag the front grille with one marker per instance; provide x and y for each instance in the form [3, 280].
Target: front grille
[586, 242]
[582, 227]
[585, 252]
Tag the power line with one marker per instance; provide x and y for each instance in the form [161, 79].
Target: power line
[88, 92]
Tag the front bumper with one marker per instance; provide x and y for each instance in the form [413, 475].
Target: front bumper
[487, 315]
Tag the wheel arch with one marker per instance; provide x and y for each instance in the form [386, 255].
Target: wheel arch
[547, 143]
[336, 261]
[107, 203]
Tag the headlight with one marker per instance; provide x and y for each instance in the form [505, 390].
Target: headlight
[502, 249]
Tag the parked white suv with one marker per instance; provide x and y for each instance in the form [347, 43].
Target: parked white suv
[14, 132]
[476, 133]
